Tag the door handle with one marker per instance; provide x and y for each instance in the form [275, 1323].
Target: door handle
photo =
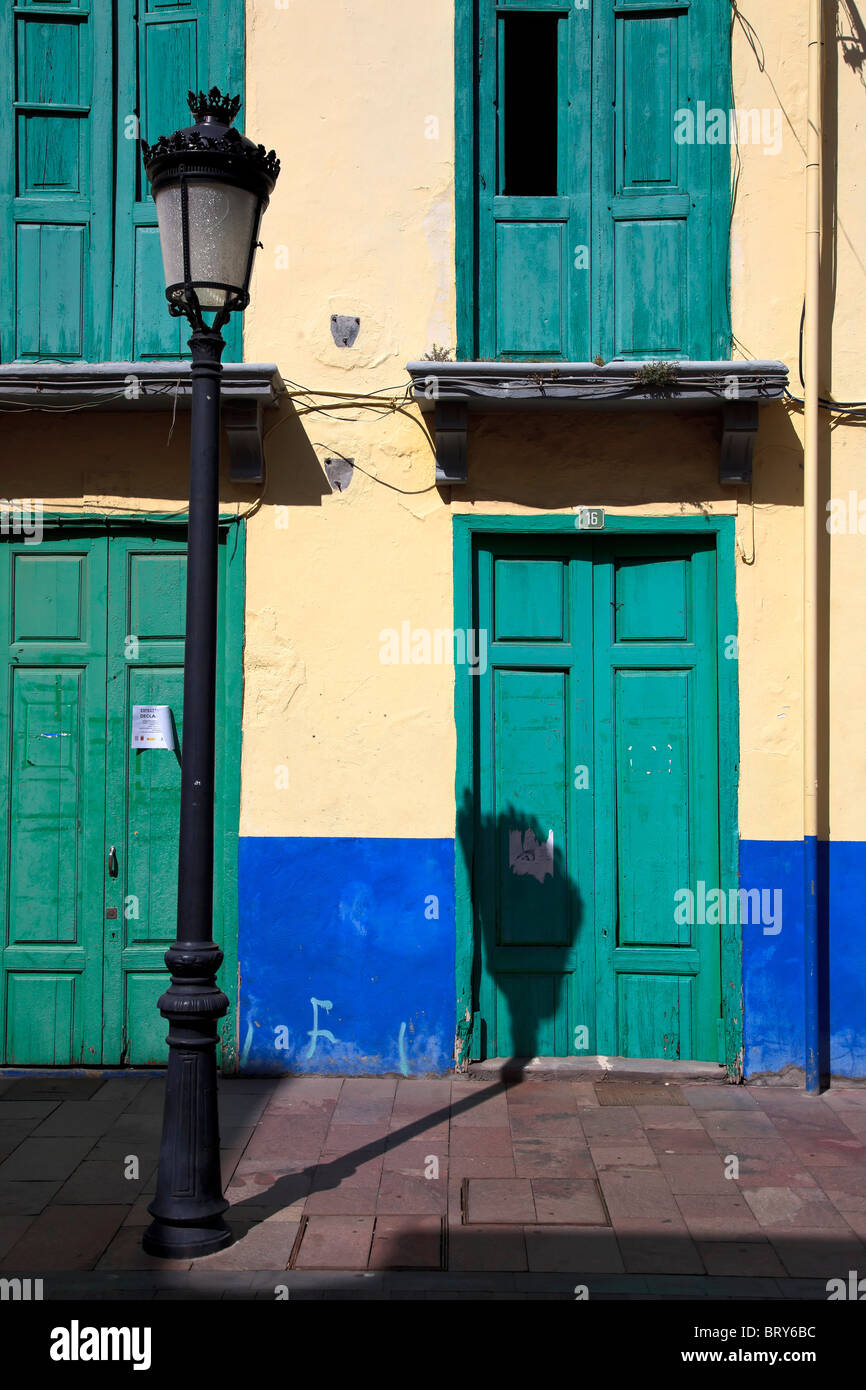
[112, 862]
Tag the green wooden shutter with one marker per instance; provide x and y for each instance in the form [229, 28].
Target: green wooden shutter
[56, 191]
[656, 292]
[80, 80]
[533, 291]
[165, 48]
[648, 215]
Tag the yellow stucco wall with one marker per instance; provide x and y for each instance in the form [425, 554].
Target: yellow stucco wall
[371, 747]
[357, 97]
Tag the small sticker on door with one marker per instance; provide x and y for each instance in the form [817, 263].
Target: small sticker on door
[152, 727]
[526, 855]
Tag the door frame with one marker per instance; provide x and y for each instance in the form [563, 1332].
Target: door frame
[723, 529]
[232, 675]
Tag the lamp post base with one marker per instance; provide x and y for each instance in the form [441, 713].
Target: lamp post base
[188, 1207]
[169, 1242]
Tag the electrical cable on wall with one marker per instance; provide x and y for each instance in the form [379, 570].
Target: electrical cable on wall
[754, 42]
[823, 401]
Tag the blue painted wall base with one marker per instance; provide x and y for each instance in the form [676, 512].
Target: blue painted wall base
[346, 952]
[773, 970]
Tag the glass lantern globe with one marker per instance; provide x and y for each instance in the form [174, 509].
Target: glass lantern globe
[211, 186]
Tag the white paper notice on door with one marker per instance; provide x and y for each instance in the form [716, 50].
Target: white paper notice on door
[152, 727]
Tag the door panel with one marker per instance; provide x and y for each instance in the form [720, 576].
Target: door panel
[529, 730]
[147, 622]
[652, 802]
[657, 796]
[654, 1012]
[148, 877]
[533, 849]
[597, 797]
[147, 578]
[52, 731]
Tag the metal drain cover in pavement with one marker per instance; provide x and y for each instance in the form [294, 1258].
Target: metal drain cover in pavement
[637, 1093]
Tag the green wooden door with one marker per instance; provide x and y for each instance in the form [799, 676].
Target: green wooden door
[95, 625]
[596, 798]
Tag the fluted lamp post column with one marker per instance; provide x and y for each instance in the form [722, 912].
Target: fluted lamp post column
[211, 186]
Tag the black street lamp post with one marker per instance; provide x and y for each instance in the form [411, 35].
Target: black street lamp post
[211, 186]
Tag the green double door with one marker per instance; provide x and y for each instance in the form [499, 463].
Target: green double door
[93, 625]
[596, 798]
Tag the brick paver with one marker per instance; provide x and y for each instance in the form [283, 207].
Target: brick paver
[487, 1248]
[335, 1242]
[496, 1201]
[402, 1244]
[637, 1196]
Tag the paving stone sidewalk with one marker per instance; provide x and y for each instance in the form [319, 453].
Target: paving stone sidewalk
[377, 1187]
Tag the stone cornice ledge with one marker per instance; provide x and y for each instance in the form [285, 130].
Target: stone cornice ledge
[248, 388]
[451, 390]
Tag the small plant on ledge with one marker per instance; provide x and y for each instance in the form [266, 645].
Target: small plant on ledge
[437, 354]
[657, 375]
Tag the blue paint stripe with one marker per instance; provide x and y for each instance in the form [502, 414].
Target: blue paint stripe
[346, 950]
[774, 979]
[367, 924]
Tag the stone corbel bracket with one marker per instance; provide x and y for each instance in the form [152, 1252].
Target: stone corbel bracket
[452, 391]
[243, 427]
[451, 425]
[248, 389]
[739, 431]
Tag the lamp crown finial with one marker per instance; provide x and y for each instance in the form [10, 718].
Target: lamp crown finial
[213, 103]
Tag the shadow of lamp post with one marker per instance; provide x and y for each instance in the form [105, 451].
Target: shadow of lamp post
[211, 186]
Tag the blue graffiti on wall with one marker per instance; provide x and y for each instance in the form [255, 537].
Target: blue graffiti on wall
[316, 1032]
